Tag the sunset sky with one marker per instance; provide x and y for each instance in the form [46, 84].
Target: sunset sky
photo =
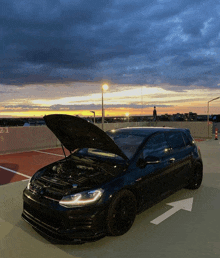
[56, 54]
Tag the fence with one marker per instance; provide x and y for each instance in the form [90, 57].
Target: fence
[19, 139]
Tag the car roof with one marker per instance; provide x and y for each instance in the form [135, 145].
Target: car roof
[145, 130]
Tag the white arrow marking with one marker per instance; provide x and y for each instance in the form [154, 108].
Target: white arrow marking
[185, 204]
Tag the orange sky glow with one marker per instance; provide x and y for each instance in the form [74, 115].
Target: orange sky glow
[81, 98]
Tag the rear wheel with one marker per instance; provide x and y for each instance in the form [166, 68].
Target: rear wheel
[121, 213]
[196, 179]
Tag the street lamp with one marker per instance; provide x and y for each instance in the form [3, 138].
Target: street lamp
[208, 113]
[94, 115]
[127, 115]
[104, 87]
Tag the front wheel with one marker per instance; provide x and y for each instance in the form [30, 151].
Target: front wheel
[197, 176]
[121, 213]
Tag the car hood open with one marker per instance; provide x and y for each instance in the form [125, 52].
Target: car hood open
[75, 132]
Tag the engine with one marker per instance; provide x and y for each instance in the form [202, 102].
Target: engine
[71, 174]
[70, 169]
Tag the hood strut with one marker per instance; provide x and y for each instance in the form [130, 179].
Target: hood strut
[64, 150]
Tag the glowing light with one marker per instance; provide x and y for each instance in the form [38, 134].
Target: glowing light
[105, 86]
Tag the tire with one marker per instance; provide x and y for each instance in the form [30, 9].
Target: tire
[121, 213]
[196, 180]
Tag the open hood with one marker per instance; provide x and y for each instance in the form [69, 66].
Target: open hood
[75, 132]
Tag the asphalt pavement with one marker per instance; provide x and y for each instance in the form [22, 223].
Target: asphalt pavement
[190, 234]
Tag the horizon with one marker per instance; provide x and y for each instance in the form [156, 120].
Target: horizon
[38, 100]
[91, 116]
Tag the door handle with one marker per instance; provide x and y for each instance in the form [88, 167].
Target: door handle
[172, 160]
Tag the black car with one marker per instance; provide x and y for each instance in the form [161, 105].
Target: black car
[107, 178]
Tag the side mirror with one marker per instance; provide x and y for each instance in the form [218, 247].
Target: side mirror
[141, 163]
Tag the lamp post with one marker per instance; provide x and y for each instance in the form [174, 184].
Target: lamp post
[104, 87]
[94, 115]
[127, 115]
[208, 113]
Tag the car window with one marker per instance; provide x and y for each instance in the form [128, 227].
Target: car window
[175, 140]
[186, 139]
[155, 146]
[189, 136]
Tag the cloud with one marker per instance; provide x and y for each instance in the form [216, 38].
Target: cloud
[11, 108]
[127, 42]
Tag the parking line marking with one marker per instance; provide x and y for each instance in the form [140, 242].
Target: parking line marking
[50, 153]
[10, 170]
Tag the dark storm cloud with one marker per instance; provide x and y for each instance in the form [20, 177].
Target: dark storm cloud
[75, 107]
[132, 42]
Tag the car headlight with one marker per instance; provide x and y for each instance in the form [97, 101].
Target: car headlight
[29, 184]
[81, 199]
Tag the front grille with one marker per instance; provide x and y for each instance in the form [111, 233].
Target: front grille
[49, 219]
[56, 222]
[79, 224]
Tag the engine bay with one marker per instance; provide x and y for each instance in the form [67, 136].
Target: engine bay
[73, 174]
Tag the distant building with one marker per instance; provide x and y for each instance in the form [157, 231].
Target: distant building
[202, 118]
[192, 116]
[165, 117]
[178, 117]
[185, 117]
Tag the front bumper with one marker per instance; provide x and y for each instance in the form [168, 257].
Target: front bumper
[62, 225]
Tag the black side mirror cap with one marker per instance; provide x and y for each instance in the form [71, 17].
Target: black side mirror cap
[141, 163]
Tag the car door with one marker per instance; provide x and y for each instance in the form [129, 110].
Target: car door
[153, 179]
[182, 155]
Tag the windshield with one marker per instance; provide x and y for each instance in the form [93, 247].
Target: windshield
[96, 152]
[128, 143]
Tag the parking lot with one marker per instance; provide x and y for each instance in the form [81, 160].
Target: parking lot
[192, 233]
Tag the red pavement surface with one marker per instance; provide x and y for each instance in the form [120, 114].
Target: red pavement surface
[24, 165]
[199, 140]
